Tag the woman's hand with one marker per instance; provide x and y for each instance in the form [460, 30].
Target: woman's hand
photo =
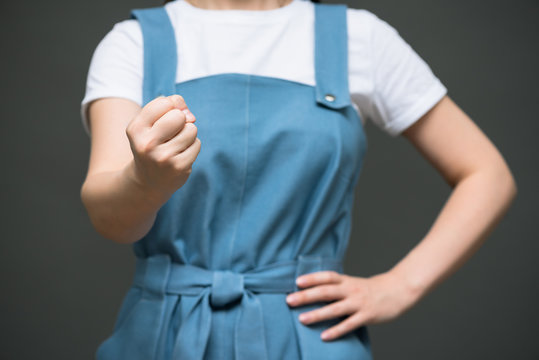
[163, 139]
[130, 177]
[371, 300]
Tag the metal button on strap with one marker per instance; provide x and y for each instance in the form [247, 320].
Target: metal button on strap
[330, 97]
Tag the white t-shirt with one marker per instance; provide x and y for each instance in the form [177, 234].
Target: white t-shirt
[389, 83]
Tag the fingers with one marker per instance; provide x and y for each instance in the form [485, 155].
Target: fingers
[350, 323]
[167, 126]
[161, 120]
[319, 277]
[184, 160]
[325, 291]
[184, 139]
[326, 286]
[158, 107]
[189, 116]
[154, 110]
[315, 294]
[179, 103]
[333, 310]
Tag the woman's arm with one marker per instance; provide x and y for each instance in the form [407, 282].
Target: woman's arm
[120, 192]
[483, 189]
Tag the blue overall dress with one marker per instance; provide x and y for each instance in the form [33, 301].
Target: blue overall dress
[269, 198]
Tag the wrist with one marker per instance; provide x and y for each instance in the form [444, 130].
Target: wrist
[156, 197]
[413, 287]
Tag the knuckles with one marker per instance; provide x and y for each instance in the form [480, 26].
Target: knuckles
[192, 129]
[161, 159]
[146, 146]
[176, 101]
[142, 148]
[177, 117]
[182, 166]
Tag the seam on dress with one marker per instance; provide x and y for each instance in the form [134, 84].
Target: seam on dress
[246, 162]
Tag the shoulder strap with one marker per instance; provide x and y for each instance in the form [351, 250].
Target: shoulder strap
[160, 56]
[331, 55]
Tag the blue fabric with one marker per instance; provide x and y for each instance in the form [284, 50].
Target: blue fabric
[327, 59]
[160, 57]
[269, 198]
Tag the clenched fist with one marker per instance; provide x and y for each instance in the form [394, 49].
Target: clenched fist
[164, 142]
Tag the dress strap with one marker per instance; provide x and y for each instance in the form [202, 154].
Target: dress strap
[331, 55]
[160, 56]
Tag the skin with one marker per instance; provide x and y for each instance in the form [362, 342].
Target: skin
[483, 189]
[155, 147]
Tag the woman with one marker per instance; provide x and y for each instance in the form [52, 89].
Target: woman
[239, 217]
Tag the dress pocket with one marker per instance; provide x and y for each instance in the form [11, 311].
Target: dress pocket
[351, 346]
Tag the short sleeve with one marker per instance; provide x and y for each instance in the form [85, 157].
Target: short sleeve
[403, 87]
[116, 68]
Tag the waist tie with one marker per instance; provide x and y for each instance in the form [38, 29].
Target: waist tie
[158, 275]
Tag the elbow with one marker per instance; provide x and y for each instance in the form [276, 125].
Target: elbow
[512, 186]
[508, 180]
[507, 187]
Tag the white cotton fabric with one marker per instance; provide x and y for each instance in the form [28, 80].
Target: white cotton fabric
[389, 83]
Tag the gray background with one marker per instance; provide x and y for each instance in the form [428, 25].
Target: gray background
[62, 283]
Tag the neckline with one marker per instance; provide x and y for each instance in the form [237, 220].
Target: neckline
[331, 90]
[240, 14]
[235, 74]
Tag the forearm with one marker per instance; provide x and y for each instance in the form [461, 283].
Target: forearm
[475, 206]
[119, 208]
